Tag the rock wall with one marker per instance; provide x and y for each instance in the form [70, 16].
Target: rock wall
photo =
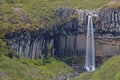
[69, 37]
[108, 32]
[107, 47]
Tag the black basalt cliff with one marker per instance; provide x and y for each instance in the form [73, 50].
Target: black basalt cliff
[68, 37]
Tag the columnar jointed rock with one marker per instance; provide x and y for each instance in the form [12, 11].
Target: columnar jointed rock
[69, 37]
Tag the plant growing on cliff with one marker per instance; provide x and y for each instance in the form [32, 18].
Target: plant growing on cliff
[4, 49]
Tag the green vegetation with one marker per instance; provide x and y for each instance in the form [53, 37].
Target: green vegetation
[4, 49]
[33, 14]
[26, 69]
[12, 68]
[110, 70]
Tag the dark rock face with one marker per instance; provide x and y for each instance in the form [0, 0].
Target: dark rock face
[109, 22]
[107, 30]
[69, 37]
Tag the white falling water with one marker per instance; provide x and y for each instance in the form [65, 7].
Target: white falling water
[90, 49]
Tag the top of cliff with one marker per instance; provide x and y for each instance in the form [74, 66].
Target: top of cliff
[33, 14]
[113, 4]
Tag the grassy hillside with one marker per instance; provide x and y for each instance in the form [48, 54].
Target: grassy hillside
[26, 69]
[33, 14]
[110, 70]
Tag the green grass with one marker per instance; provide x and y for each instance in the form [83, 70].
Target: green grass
[26, 69]
[110, 70]
[38, 12]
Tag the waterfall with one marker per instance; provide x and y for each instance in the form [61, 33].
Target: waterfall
[90, 50]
